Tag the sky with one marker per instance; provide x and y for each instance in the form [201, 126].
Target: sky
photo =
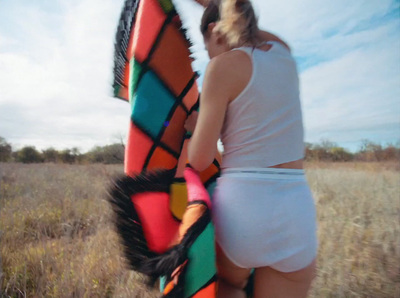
[56, 61]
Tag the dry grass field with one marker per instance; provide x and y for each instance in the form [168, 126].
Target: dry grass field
[57, 239]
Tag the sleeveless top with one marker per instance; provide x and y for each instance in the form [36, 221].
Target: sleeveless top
[263, 125]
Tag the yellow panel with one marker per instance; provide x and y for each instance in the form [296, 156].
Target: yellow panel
[178, 199]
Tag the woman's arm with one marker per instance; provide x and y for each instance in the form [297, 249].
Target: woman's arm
[213, 103]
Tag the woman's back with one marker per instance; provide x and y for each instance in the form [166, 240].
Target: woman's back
[263, 124]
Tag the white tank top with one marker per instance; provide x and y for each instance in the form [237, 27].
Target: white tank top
[263, 125]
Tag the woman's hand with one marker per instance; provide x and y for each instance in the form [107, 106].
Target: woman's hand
[191, 121]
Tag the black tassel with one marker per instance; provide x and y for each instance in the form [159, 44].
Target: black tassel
[125, 25]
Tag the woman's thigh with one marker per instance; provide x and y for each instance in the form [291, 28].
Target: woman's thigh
[230, 273]
[269, 282]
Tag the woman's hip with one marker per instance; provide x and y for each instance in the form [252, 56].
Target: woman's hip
[269, 210]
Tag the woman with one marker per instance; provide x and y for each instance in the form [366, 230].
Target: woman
[263, 210]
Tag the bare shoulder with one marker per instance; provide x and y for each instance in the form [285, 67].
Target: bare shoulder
[229, 73]
[232, 60]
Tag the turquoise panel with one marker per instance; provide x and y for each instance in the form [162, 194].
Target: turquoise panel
[201, 266]
[151, 104]
[163, 283]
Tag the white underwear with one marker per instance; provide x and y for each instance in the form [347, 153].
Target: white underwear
[265, 217]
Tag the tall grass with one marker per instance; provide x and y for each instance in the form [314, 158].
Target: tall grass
[58, 240]
[358, 209]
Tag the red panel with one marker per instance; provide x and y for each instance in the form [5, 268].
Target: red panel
[137, 148]
[149, 20]
[159, 226]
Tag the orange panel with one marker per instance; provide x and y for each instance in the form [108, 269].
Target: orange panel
[208, 292]
[126, 74]
[169, 287]
[191, 97]
[208, 173]
[162, 159]
[171, 60]
[137, 148]
[124, 93]
[175, 131]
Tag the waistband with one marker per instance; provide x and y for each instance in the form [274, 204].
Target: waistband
[274, 173]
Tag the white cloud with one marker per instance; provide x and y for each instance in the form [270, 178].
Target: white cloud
[56, 68]
[350, 87]
[56, 82]
[355, 95]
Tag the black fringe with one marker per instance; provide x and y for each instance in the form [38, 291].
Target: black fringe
[129, 227]
[125, 24]
[126, 219]
[123, 34]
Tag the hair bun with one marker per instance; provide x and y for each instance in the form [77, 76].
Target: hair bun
[235, 20]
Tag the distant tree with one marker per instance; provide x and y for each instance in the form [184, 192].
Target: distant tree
[114, 153]
[95, 155]
[369, 151]
[340, 154]
[321, 150]
[391, 152]
[308, 151]
[327, 151]
[70, 155]
[327, 145]
[50, 155]
[109, 154]
[28, 154]
[5, 150]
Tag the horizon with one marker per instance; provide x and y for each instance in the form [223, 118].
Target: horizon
[56, 60]
[220, 146]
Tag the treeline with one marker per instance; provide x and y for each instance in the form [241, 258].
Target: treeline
[109, 154]
[368, 151]
[114, 153]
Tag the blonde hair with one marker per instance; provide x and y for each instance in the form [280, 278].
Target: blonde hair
[236, 21]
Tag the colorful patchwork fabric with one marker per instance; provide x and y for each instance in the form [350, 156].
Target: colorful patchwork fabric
[163, 234]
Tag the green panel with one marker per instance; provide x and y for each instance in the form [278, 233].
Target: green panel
[116, 90]
[135, 69]
[166, 5]
[201, 266]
